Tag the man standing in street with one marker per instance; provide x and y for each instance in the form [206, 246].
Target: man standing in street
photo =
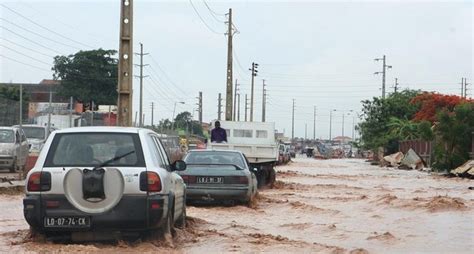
[218, 135]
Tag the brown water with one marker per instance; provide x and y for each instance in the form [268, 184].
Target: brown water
[330, 206]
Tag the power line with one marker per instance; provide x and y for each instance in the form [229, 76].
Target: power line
[45, 28]
[213, 13]
[25, 38]
[32, 66]
[200, 17]
[32, 50]
[40, 35]
[166, 75]
[18, 52]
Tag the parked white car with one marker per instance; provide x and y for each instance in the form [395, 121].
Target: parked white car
[94, 180]
[36, 135]
[13, 148]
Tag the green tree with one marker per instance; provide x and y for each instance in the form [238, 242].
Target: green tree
[88, 76]
[375, 129]
[453, 136]
[184, 120]
[404, 129]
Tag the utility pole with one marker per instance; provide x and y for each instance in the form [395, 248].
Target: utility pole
[238, 107]
[383, 72]
[314, 123]
[395, 86]
[21, 108]
[125, 65]
[462, 87]
[152, 113]
[465, 87]
[330, 124]
[70, 112]
[228, 98]
[50, 108]
[200, 107]
[263, 101]
[236, 89]
[246, 107]
[141, 65]
[254, 74]
[293, 121]
[219, 107]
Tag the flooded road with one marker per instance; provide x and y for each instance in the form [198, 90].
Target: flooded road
[324, 206]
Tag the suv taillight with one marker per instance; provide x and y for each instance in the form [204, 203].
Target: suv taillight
[150, 181]
[39, 181]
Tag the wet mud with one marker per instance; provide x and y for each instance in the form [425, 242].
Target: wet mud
[316, 206]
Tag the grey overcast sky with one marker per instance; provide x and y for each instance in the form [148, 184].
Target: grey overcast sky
[320, 53]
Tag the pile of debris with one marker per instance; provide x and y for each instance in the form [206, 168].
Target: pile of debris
[411, 160]
[465, 170]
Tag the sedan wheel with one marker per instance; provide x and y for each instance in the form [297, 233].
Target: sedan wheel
[181, 222]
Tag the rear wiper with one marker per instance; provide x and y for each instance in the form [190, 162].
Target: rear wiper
[116, 158]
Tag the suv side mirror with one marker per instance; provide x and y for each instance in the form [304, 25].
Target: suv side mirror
[179, 165]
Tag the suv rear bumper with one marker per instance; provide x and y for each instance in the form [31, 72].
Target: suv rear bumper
[132, 213]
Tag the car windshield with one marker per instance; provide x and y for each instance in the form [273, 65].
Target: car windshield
[93, 149]
[7, 136]
[213, 157]
[34, 132]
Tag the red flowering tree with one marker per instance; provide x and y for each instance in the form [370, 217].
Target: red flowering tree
[431, 103]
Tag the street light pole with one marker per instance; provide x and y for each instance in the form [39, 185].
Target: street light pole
[174, 110]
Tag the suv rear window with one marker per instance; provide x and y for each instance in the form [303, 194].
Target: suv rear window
[93, 149]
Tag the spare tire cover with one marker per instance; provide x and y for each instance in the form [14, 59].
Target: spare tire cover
[113, 189]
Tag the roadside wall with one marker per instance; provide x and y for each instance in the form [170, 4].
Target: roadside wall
[423, 148]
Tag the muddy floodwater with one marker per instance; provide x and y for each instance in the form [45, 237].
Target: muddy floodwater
[316, 206]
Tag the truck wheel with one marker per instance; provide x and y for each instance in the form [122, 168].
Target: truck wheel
[271, 178]
[181, 222]
[14, 167]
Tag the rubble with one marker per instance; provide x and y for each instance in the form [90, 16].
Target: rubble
[394, 159]
[465, 170]
[412, 160]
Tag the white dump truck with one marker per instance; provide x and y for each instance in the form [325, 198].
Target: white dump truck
[257, 141]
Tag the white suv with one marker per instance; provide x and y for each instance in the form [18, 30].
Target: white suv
[102, 180]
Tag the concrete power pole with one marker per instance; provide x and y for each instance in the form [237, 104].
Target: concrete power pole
[228, 98]
[314, 123]
[200, 107]
[395, 86]
[246, 107]
[293, 121]
[305, 131]
[125, 65]
[462, 87]
[263, 101]
[254, 74]
[152, 113]
[383, 72]
[141, 65]
[236, 89]
[465, 87]
[238, 107]
[219, 107]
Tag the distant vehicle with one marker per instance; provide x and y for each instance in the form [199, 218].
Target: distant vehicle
[219, 175]
[172, 147]
[90, 181]
[13, 149]
[292, 152]
[257, 141]
[36, 135]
